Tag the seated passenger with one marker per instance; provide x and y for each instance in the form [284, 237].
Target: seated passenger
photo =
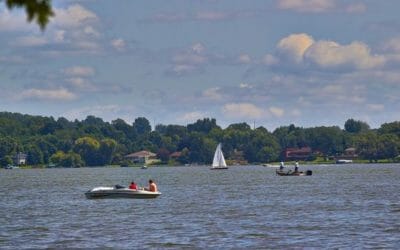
[152, 186]
[133, 185]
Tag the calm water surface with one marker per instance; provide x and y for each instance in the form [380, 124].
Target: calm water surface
[340, 206]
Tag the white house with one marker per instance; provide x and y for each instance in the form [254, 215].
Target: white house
[144, 157]
[20, 159]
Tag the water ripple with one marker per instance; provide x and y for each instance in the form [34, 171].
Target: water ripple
[341, 207]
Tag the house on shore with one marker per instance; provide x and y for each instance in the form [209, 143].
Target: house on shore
[20, 158]
[348, 156]
[296, 154]
[175, 155]
[142, 157]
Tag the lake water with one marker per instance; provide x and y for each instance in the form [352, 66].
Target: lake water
[340, 206]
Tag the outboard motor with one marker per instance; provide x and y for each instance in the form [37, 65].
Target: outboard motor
[308, 172]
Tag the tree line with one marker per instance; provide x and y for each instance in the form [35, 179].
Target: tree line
[94, 142]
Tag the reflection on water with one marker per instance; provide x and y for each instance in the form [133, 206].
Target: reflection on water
[349, 206]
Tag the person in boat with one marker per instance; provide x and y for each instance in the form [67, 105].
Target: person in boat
[296, 167]
[152, 186]
[281, 166]
[133, 185]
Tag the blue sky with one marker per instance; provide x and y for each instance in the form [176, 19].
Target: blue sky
[275, 63]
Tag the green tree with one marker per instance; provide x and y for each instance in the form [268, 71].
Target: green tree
[34, 155]
[87, 147]
[142, 126]
[388, 146]
[367, 146]
[5, 160]
[106, 151]
[203, 126]
[262, 147]
[163, 155]
[328, 140]
[353, 126]
[390, 128]
[8, 146]
[184, 157]
[68, 160]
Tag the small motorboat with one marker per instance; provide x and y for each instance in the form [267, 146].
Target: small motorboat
[9, 166]
[120, 192]
[293, 173]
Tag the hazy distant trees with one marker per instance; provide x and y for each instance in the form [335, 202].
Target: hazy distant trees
[94, 142]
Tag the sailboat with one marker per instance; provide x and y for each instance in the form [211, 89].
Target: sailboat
[219, 159]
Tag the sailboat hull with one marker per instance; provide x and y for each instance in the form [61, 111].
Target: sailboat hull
[218, 168]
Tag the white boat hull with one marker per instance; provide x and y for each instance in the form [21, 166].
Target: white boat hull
[113, 192]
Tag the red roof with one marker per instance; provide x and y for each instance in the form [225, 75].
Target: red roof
[176, 154]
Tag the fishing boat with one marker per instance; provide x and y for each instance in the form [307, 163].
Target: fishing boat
[120, 192]
[293, 173]
[343, 161]
[219, 159]
[9, 166]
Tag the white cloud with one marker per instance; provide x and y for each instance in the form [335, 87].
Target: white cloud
[104, 111]
[376, 107]
[118, 44]
[296, 112]
[191, 116]
[31, 41]
[74, 16]
[14, 59]
[59, 36]
[270, 60]
[89, 30]
[303, 49]
[245, 86]
[331, 90]
[15, 21]
[244, 58]
[356, 8]
[206, 16]
[79, 71]
[168, 17]
[212, 94]
[60, 94]
[242, 110]
[211, 15]
[294, 46]
[81, 84]
[331, 54]
[88, 46]
[276, 111]
[188, 58]
[183, 69]
[307, 5]
[198, 48]
[392, 45]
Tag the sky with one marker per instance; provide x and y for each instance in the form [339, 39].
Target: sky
[268, 63]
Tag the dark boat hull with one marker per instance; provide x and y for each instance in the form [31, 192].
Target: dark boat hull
[292, 173]
[218, 168]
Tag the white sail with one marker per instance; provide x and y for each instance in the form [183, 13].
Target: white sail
[219, 159]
